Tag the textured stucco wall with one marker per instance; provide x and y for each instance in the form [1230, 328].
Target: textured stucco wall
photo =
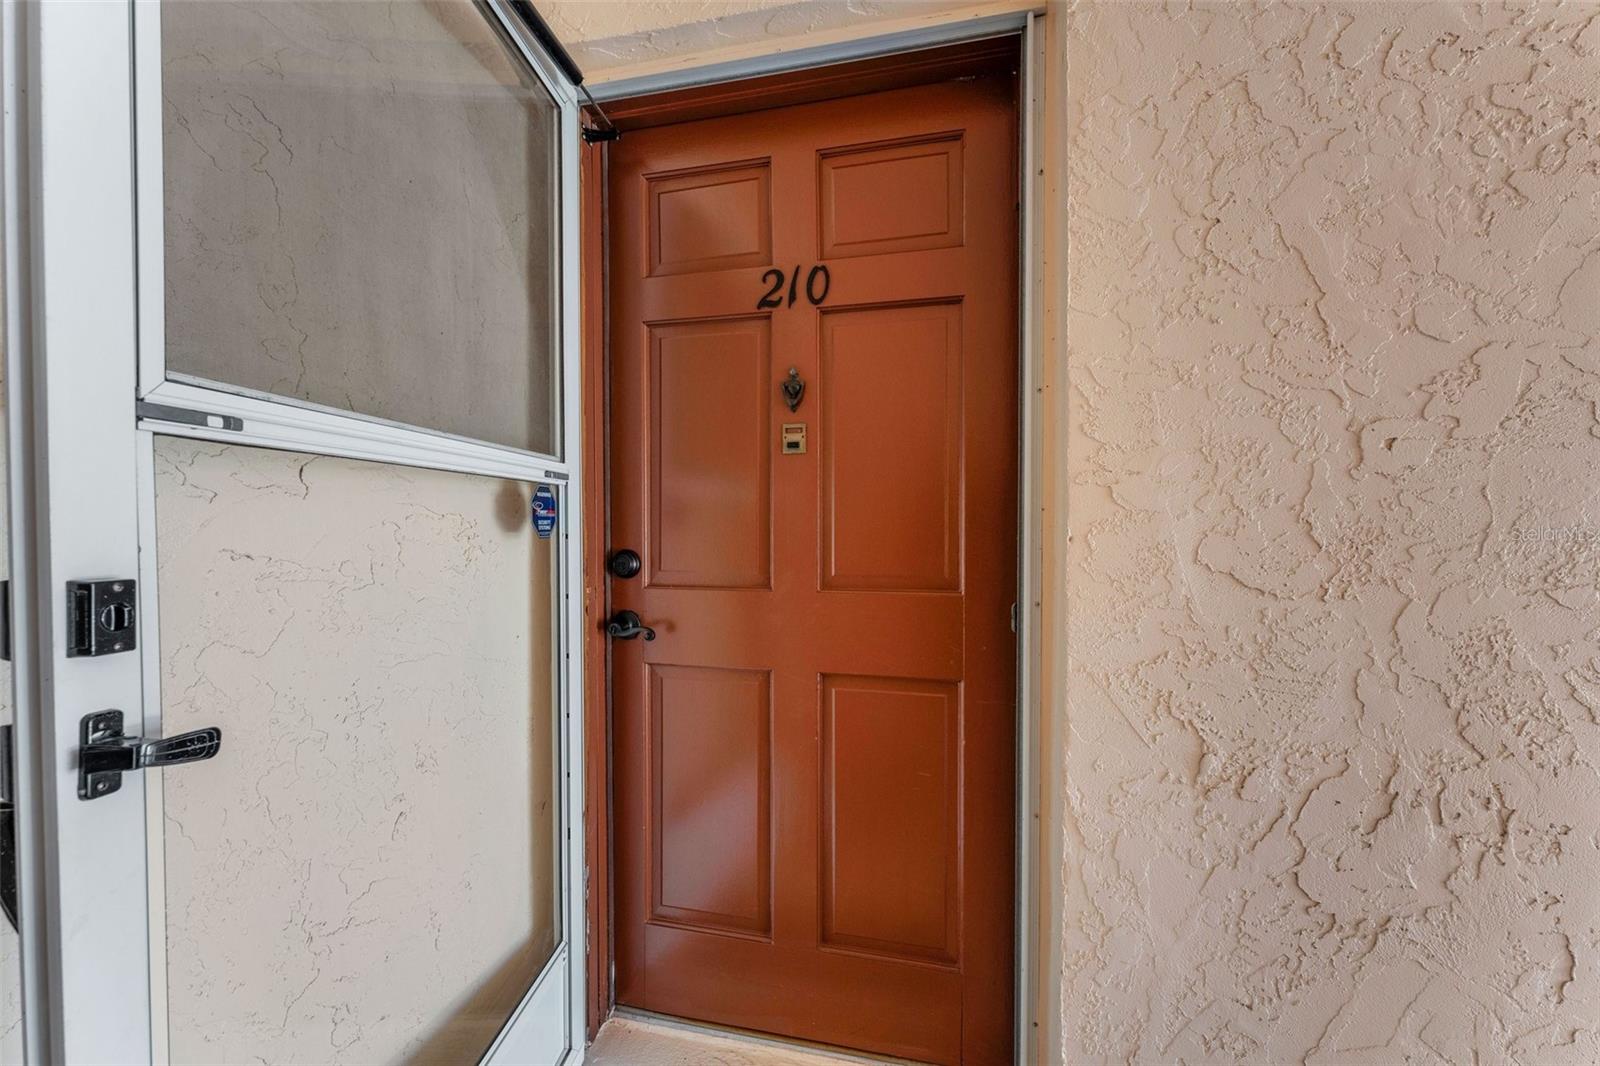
[612, 38]
[582, 24]
[1334, 648]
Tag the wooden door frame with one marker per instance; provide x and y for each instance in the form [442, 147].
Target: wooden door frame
[864, 65]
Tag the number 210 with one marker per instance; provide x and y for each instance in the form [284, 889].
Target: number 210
[818, 282]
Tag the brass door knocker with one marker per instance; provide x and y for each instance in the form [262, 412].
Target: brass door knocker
[794, 390]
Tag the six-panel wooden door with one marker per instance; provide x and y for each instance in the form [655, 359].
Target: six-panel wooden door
[814, 759]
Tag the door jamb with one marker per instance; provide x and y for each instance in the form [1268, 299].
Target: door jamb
[1035, 984]
[593, 645]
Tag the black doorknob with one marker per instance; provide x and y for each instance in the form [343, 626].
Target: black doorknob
[625, 563]
[626, 625]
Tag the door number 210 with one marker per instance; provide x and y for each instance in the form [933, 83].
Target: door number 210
[818, 282]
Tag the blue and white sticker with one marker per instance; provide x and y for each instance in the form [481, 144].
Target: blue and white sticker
[544, 511]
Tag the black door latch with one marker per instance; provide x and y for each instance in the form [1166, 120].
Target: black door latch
[107, 753]
[101, 617]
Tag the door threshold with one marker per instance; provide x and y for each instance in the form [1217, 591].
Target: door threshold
[750, 1036]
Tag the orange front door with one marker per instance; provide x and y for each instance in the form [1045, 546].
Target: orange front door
[814, 759]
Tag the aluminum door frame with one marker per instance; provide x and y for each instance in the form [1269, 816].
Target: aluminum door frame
[84, 305]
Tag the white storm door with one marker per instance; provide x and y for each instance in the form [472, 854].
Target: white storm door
[303, 317]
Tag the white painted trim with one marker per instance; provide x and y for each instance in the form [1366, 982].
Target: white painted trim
[20, 488]
[823, 49]
[571, 634]
[84, 353]
[1053, 404]
[1029, 555]
[277, 423]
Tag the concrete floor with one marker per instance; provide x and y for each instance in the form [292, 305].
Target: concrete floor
[634, 1041]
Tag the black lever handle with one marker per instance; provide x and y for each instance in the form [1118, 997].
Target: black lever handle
[626, 625]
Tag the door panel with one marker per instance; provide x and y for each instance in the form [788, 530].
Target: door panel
[710, 485]
[712, 218]
[891, 448]
[891, 816]
[814, 759]
[711, 821]
[899, 197]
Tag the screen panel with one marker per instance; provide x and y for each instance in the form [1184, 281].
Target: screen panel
[369, 870]
[361, 212]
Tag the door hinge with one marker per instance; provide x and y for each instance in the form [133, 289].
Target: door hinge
[102, 617]
[106, 753]
[1016, 617]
